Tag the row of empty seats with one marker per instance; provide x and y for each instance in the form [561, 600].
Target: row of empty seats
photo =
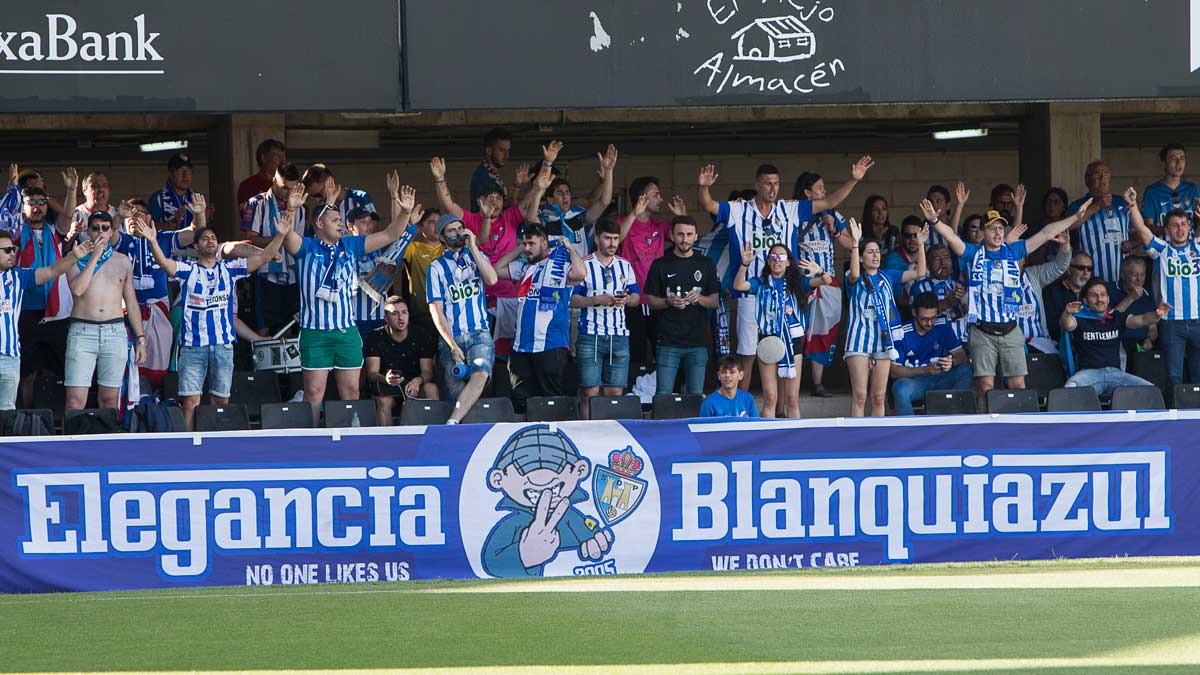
[1061, 400]
[342, 414]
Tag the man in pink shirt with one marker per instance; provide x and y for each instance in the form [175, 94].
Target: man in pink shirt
[644, 236]
[497, 229]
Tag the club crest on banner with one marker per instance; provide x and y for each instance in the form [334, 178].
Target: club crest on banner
[616, 488]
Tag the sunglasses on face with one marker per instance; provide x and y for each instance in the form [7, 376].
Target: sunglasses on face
[37, 202]
[1082, 268]
[777, 257]
[7, 249]
[100, 228]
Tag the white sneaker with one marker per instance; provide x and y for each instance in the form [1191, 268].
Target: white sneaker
[451, 421]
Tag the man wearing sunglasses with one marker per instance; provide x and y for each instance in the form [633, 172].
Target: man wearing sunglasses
[1067, 289]
[97, 342]
[14, 284]
[43, 306]
[904, 257]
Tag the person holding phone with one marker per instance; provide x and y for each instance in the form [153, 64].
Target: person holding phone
[931, 356]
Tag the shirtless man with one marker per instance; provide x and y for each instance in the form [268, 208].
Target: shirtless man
[100, 282]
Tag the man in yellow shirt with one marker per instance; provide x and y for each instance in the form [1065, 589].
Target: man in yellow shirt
[425, 248]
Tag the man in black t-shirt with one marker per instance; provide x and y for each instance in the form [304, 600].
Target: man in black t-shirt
[398, 362]
[1095, 332]
[682, 286]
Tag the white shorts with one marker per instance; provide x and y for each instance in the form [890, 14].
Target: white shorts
[747, 325]
[506, 318]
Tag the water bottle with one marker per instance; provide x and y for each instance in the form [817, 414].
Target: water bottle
[459, 371]
[355, 422]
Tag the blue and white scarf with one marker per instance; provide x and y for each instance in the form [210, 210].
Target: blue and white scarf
[979, 276]
[172, 202]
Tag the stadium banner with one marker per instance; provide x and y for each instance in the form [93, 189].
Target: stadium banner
[67, 56]
[585, 498]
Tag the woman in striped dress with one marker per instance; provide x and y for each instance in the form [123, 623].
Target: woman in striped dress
[873, 316]
[780, 292]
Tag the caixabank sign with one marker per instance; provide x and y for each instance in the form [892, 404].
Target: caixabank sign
[590, 498]
[217, 56]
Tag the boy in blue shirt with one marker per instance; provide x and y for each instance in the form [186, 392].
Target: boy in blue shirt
[728, 400]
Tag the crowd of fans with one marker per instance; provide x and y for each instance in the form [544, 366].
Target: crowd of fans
[565, 291]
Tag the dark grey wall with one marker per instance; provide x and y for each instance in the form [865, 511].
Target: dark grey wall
[487, 54]
[216, 56]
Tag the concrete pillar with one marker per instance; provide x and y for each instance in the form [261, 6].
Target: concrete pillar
[232, 141]
[1058, 140]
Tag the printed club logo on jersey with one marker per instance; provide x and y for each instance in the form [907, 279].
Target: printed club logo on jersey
[1182, 266]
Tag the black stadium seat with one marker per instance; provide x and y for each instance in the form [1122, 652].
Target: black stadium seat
[340, 414]
[950, 402]
[1045, 373]
[1012, 401]
[491, 411]
[677, 406]
[1150, 366]
[551, 409]
[420, 412]
[286, 415]
[615, 408]
[1073, 399]
[1138, 398]
[232, 417]
[1187, 396]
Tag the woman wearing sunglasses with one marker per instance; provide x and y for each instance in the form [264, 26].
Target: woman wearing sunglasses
[780, 293]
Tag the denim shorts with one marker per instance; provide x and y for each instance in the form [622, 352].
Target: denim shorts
[100, 348]
[213, 361]
[603, 360]
[480, 350]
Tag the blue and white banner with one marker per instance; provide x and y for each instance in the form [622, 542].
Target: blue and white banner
[520, 500]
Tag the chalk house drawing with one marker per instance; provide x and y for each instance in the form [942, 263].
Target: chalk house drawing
[778, 39]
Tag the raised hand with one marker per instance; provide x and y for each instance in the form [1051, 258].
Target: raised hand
[961, 193]
[522, 174]
[927, 210]
[748, 256]
[1016, 233]
[408, 198]
[393, 180]
[488, 208]
[608, 160]
[544, 178]
[417, 215]
[923, 236]
[1074, 307]
[437, 166]
[285, 222]
[643, 203]
[198, 205]
[145, 229]
[14, 173]
[330, 190]
[540, 540]
[811, 268]
[296, 197]
[70, 179]
[1082, 215]
[1062, 238]
[83, 249]
[1019, 195]
[677, 206]
[1130, 196]
[708, 176]
[859, 170]
[855, 230]
[550, 152]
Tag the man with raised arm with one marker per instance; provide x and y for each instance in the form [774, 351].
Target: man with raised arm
[208, 294]
[327, 266]
[994, 295]
[276, 295]
[15, 282]
[1177, 262]
[560, 217]
[97, 342]
[1105, 226]
[761, 223]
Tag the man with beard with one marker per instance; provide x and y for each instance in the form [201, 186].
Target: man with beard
[644, 236]
[1067, 289]
[276, 295]
[458, 305]
[545, 275]
[949, 292]
[560, 217]
[97, 342]
[602, 348]
[497, 146]
[207, 288]
[399, 363]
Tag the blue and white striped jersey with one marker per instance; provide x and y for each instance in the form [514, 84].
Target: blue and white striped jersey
[1102, 234]
[328, 279]
[863, 334]
[453, 280]
[616, 278]
[365, 307]
[1178, 270]
[12, 288]
[259, 216]
[355, 198]
[208, 296]
[543, 302]
[747, 225]
[817, 244]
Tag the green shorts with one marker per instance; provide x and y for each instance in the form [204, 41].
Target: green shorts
[339, 349]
